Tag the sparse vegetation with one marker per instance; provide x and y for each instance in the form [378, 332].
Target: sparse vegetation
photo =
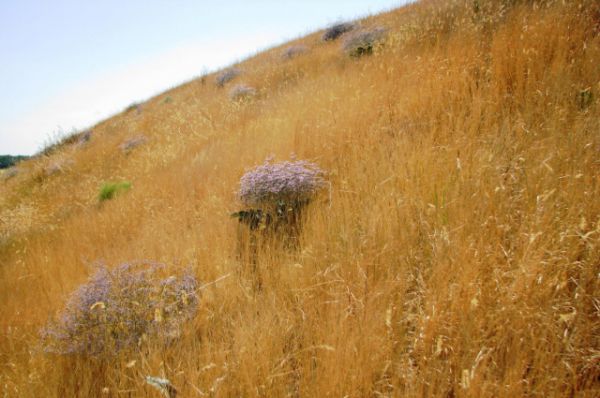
[242, 92]
[294, 51]
[131, 143]
[111, 189]
[61, 139]
[455, 255]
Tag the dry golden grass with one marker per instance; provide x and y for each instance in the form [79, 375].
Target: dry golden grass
[458, 255]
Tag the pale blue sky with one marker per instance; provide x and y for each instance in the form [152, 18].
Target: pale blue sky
[69, 64]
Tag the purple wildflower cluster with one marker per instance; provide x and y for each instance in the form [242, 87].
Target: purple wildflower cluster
[118, 308]
[226, 76]
[275, 182]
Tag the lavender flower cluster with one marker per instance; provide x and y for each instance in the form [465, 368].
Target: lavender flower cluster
[226, 76]
[119, 307]
[275, 182]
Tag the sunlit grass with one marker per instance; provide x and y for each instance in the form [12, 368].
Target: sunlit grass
[455, 253]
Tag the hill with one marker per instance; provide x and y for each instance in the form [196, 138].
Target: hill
[454, 252]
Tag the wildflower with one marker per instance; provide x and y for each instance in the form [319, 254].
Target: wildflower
[226, 76]
[116, 308]
[291, 181]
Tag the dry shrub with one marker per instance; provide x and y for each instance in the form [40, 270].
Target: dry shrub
[364, 42]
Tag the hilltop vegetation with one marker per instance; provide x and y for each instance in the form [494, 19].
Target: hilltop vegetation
[7, 161]
[451, 250]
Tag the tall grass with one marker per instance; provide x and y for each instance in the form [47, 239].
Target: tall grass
[457, 255]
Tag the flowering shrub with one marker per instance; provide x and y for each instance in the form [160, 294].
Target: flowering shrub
[337, 30]
[116, 308]
[363, 42]
[292, 181]
[226, 76]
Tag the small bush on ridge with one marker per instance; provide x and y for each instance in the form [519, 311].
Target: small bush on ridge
[337, 30]
[226, 76]
[135, 106]
[118, 307]
[85, 137]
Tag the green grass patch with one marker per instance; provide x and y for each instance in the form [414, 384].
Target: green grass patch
[111, 189]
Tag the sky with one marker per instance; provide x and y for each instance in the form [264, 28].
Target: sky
[67, 64]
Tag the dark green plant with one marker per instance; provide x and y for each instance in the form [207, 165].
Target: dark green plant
[7, 161]
[110, 189]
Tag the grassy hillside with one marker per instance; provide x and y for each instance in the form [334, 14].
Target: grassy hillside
[456, 254]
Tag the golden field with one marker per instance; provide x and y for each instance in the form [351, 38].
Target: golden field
[455, 254]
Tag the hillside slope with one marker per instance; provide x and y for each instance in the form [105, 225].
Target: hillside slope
[456, 253]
